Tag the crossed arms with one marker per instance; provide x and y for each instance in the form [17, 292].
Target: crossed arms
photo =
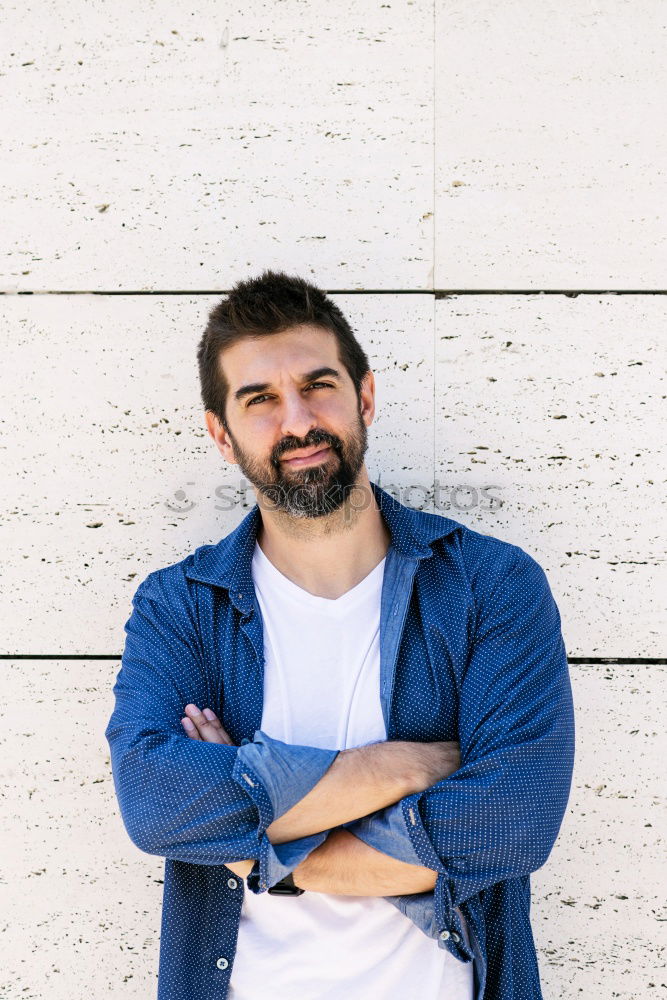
[360, 781]
[493, 817]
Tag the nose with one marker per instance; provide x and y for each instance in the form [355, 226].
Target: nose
[297, 417]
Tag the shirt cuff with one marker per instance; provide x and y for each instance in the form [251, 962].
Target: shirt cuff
[385, 830]
[277, 775]
[278, 860]
[399, 832]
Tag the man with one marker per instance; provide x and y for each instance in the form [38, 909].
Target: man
[348, 725]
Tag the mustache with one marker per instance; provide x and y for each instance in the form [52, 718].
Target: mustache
[310, 441]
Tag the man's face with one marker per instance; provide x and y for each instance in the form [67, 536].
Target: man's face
[281, 403]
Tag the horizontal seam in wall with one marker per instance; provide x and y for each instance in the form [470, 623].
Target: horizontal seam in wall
[648, 660]
[438, 293]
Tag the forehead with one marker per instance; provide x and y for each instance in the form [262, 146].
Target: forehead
[278, 355]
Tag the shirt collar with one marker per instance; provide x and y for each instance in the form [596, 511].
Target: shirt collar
[228, 563]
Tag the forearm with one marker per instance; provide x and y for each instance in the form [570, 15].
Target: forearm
[362, 780]
[344, 865]
[356, 783]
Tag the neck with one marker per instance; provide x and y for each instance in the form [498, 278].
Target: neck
[329, 555]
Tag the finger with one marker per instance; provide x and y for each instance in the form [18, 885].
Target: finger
[190, 728]
[215, 721]
[207, 731]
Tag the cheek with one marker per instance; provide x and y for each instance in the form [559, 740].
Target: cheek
[261, 436]
[334, 412]
[258, 426]
[265, 431]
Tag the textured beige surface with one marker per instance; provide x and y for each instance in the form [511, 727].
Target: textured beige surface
[598, 909]
[81, 904]
[558, 404]
[551, 145]
[219, 138]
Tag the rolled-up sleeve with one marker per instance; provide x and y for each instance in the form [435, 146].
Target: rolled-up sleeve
[185, 799]
[277, 775]
[498, 816]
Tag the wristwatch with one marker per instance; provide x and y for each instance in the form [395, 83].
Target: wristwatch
[285, 887]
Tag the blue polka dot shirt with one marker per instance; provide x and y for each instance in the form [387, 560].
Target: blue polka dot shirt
[471, 650]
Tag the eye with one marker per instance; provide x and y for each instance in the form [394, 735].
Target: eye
[257, 399]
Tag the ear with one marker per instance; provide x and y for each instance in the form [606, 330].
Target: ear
[220, 436]
[367, 398]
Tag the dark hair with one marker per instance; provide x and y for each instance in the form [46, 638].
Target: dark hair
[270, 304]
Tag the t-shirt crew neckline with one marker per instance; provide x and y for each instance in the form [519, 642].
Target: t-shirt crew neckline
[333, 606]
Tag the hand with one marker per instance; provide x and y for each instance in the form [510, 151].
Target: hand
[207, 727]
[204, 726]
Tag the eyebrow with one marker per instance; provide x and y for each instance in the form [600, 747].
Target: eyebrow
[248, 390]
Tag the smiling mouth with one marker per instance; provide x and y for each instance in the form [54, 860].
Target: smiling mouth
[316, 456]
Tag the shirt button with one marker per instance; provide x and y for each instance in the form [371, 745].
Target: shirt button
[444, 935]
[222, 963]
[232, 883]
[455, 937]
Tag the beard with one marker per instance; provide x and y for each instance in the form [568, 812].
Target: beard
[312, 490]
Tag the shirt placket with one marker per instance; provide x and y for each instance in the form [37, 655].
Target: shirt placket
[396, 591]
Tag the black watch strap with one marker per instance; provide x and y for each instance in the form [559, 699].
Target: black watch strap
[285, 887]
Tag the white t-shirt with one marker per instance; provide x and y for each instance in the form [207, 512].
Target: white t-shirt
[322, 689]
